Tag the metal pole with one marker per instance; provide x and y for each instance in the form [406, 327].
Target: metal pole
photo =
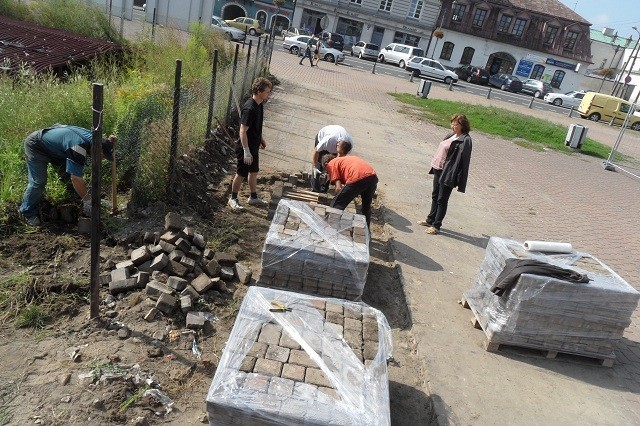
[96, 155]
[531, 102]
[616, 85]
[489, 93]
[373, 71]
[608, 163]
[173, 149]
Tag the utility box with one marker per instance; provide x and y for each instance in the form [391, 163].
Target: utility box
[424, 88]
[575, 136]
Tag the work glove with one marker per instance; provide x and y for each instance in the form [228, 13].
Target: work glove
[316, 172]
[248, 158]
[86, 207]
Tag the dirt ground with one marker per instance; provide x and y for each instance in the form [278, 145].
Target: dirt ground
[77, 371]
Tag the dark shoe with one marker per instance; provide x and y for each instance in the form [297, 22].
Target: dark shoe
[432, 230]
[33, 221]
[299, 63]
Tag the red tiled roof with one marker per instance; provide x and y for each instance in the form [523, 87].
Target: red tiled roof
[43, 49]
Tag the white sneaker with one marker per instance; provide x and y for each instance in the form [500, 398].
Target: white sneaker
[256, 201]
[235, 204]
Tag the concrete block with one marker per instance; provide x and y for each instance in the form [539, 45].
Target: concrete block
[268, 367]
[127, 264]
[208, 254]
[212, 268]
[123, 286]
[155, 249]
[176, 268]
[142, 279]
[177, 283]
[173, 222]
[159, 262]
[84, 225]
[191, 292]
[166, 303]
[188, 263]
[198, 241]
[225, 259]
[156, 288]
[145, 267]
[151, 315]
[150, 238]
[188, 232]
[140, 255]
[176, 255]
[194, 253]
[243, 272]
[166, 247]
[226, 273]
[183, 245]
[195, 320]
[159, 276]
[104, 279]
[186, 304]
[202, 283]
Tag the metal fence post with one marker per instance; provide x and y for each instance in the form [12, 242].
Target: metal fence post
[489, 93]
[212, 94]
[373, 71]
[451, 86]
[96, 156]
[531, 102]
[571, 112]
[173, 150]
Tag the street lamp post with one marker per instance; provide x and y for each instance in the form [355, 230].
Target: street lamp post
[444, 12]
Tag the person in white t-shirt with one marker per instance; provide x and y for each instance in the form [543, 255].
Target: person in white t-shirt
[326, 142]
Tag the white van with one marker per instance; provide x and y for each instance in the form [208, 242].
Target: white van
[399, 54]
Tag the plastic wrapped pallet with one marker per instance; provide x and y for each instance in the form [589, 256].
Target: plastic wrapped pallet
[551, 314]
[316, 250]
[321, 361]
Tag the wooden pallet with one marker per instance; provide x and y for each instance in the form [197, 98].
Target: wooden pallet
[495, 346]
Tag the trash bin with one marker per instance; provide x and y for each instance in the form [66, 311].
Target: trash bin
[423, 88]
[575, 136]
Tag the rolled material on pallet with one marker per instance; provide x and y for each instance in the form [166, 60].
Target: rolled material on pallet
[548, 247]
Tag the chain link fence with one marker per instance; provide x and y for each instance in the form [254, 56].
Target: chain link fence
[164, 126]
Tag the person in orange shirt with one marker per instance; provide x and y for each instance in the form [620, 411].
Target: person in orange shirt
[352, 176]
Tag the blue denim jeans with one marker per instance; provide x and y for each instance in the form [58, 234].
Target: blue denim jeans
[37, 168]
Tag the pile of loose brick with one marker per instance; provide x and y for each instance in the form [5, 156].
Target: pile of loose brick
[266, 373]
[316, 249]
[549, 314]
[175, 268]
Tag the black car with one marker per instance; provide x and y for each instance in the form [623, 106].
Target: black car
[506, 82]
[472, 74]
[334, 40]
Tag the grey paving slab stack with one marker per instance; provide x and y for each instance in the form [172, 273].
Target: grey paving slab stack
[539, 312]
[323, 361]
[316, 249]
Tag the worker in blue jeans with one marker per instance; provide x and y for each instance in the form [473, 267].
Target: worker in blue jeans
[66, 148]
[307, 52]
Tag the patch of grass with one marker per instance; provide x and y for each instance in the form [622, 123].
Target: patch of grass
[8, 391]
[528, 132]
[134, 398]
[33, 316]
[224, 234]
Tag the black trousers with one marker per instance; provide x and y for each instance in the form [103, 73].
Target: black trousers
[365, 188]
[439, 200]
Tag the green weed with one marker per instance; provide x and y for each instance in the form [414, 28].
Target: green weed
[33, 316]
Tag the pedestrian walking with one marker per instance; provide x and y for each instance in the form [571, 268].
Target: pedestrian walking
[450, 169]
[316, 52]
[250, 143]
[352, 177]
[307, 51]
[65, 148]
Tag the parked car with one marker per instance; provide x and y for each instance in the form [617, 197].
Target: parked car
[250, 25]
[399, 54]
[431, 68]
[537, 88]
[569, 99]
[295, 31]
[506, 82]
[232, 33]
[596, 106]
[335, 41]
[365, 50]
[472, 74]
[297, 45]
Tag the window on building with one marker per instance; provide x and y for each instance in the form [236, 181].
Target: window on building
[356, 2]
[518, 27]
[479, 17]
[570, 40]
[537, 72]
[467, 55]
[415, 9]
[447, 50]
[404, 38]
[385, 5]
[550, 35]
[505, 23]
[558, 76]
[458, 12]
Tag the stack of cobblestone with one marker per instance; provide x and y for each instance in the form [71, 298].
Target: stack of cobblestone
[316, 249]
[546, 313]
[175, 269]
[298, 359]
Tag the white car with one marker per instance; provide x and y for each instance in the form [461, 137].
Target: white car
[232, 33]
[298, 44]
[365, 50]
[431, 68]
[569, 99]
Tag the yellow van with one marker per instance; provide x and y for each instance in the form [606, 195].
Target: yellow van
[596, 107]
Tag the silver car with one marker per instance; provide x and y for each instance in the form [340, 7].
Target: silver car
[232, 33]
[296, 45]
[569, 99]
[431, 68]
[365, 50]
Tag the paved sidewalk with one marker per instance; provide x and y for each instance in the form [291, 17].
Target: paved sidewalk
[513, 192]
